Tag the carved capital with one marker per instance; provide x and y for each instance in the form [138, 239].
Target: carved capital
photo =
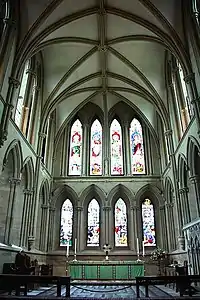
[79, 208]
[14, 181]
[168, 133]
[106, 208]
[14, 82]
[184, 190]
[36, 88]
[28, 192]
[31, 72]
[188, 78]
[194, 179]
[42, 135]
[44, 206]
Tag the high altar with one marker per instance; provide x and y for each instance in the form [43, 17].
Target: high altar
[105, 270]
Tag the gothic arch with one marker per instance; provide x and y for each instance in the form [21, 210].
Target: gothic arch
[169, 189]
[29, 169]
[44, 187]
[15, 147]
[182, 167]
[151, 192]
[63, 193]
[92, 191]
[120, 191]
[193, 149]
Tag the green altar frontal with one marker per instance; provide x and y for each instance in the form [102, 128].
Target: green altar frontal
[105, 270]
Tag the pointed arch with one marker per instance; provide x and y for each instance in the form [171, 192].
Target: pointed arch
[92, 191]
[15, 147]
[93, 223]
[61, 193]
[96, 148]
[44, 192]
[182, 168]
[66, 223]
[169, 189]
[28, 167]
[121, 223]
[120, 191]
[149, 191]
[75, 152]
[193, 151]
[137, 147]
[116, 150]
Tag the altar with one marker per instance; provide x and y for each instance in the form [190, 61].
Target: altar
[105, 270]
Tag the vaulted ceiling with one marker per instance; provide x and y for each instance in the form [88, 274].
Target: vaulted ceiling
[103, 51]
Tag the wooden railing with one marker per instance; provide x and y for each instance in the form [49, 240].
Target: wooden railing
[182, 283]
[9, 282]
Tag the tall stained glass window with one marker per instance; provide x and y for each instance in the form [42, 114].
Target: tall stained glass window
[137, 149]
[93, 223]
[96, 149]
[120, 223]
[149, 233]
[66, 223]
[75, 155]
[116, 148]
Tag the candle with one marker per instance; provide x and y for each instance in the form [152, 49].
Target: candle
[143, 248]
[67, 249]
[138, 251]
[75, 245]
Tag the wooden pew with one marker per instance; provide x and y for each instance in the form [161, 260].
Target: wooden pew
[14, 282]
[183, 282]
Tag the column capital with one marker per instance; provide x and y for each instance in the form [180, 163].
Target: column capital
[79, 208]
[36, 88]
[28, 192]
[194, 179]
[45, 206]
[14, 82]
[168, 133]
[31, 72]
[188, 78]
[106, 208]
[14, 181]
[42, 135]
[183, 190]
[52, 209]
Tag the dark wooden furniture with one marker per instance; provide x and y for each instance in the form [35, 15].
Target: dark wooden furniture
[183, 282]
[11, 282]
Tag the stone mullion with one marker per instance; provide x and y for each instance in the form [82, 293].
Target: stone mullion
[9, 218]
[106, 211]
[85, 152]
[79, 210]
[7, 110]
[195, 181]
[131, 229]
[127, 150]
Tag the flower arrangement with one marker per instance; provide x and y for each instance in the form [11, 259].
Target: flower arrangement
[158, 254]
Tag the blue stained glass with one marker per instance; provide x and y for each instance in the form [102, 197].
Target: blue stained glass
[75, 157]
[66, 223]
[137, 148]
[93, 223]
[120, 223]
[149, 233]
[116, 148]
[96, 149]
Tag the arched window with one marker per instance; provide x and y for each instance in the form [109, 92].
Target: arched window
[66, 225]
[148, 220]
[96, 149]
[137, 148]
[20, 109]
[75, 155]
[116, 148]
[93, 217]
[120, 215]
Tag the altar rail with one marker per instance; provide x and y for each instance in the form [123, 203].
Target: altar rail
[182, 283]
[9, 282]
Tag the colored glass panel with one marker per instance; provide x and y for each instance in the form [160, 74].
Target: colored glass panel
[93, 223]
[75, 155]
[137, 148]
[96, 149]
[149, 234]
[116, 148]
[66, 223]
[120, 223]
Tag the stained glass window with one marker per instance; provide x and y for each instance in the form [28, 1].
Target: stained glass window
[93, 223]
[120, 223]
[75, 155]
[137, 149]
[66, 223]
[96, 149]
[149, 234]
[116, 148]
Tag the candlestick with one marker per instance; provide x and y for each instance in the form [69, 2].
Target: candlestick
[67, 254]
[75, 245]
[143, 248]
[138, 250]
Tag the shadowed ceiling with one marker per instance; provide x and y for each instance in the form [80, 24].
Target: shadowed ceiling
[102, 51]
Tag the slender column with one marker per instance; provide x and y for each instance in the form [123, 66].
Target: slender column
[106, 237]
[47, 229]
[79, 210]
[8, 107]
[64, 151]
[85, 152]
[184, 199]
[32, 125]
[168, 222]
[131, 232]
[106, 143]
[195, 180]
[127, 150]
[9, 218]
[138, 225]
[44, 227]
[51, 228]
[25, 217]
[163, 228]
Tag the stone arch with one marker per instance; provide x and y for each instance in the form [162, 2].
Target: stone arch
[44, 192]
[169, 189]
[193, 155]
[152, 192]
[92, 191]
[28, 168]
[122, 191]
[16, 149]
[182, 169]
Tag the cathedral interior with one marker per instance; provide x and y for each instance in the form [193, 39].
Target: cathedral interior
[99, 130]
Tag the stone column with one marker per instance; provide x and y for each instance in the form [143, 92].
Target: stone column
[132, 230]
[85, 152]
[138, 226]
[51, 228]
[127, 149]
[43, 227]
[106, 229]
[184, 199]
[11, 200]
[25, 218]
[8, 107]
[167, 208]
[163, 228]
[79, 232]
[195, 181]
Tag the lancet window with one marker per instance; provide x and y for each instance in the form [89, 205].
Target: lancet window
[96, 149]
[148, 222]
[120, 216]
[75, 155]
[66, 225]
[93, 223]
